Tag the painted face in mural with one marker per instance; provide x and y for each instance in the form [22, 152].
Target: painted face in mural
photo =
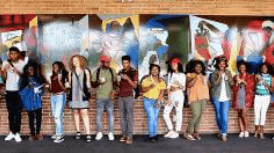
[198, 68]
[264, 69]
[76, 62]
[242, 69]
[155, 71]
[153, 59]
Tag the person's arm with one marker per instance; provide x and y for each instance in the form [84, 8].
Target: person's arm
[162, 90]
[216, 78]
[145, 87]
[60, 82]
[5, 68]
[88, 83]
[131, 82]
[191, 81]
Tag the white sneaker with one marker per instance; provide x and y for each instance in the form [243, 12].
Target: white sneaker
[99, 136]
[110, 136]
[54, 136]
[17, 137]
[9, 137]
[174, 135]
[168, 134]
[242, 134]
[246, 134]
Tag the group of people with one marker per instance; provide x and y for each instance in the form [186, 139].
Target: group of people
[25, 87]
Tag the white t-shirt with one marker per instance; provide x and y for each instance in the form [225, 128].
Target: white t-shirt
[223, 97]
[12, 82]
[177, 78]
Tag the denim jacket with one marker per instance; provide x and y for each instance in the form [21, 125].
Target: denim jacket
[216, 87]
[30, 100]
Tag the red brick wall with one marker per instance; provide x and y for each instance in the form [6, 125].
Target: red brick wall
[208, 124]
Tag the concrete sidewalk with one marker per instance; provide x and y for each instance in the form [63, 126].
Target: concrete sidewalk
[208, 144]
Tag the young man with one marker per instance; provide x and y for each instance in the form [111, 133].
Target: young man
[127, 79]
[104, 80]
[12, 70]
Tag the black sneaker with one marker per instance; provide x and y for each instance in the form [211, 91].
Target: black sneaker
[78, 135]
[59, 139]
[88, 138]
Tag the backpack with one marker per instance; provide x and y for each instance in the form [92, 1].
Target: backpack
[98, 75]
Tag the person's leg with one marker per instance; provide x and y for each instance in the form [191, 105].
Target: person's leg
[76, 119]
[10, 108]
[84, 115]
[245, 119]
[38, 116]
[179, 114]
[31, 122]
[257, 109]
[122, 109]
[217, 109]
[110, 109]
[265, 104]
[225, 107]
[148, 107]
[100, 109]
[166, 115]
[240, 119]
[155, 119]
[53, 101]
[18, 110]
[200, 108]
[130, 115]
[195, 109]
[264, 108]
[60, 103]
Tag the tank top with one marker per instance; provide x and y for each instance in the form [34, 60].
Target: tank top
[260, 88]
[55, 87]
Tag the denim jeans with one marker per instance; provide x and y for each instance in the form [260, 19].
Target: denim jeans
[109, 104]
[57, 107]
[222, 114]
[152, 115]
[35, 116]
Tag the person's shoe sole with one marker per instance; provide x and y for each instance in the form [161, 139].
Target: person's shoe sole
[58, 141]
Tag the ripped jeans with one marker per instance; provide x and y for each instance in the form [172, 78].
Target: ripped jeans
[100, 105]
[57, 108]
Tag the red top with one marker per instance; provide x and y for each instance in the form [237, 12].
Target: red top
[125, 88]
[249, 91]
[55, 87]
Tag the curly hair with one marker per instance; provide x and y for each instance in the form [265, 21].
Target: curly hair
[82, 60]
[242, 62]
[269, 69]
[191, 66]
[219, 60]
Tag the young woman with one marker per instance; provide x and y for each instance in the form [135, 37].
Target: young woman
[31, 91]
[153, 87]
[58, 98]
[198, 96]
[264, 82]
[176, 83]
[243, 95]
[221, 81]
[79, 78]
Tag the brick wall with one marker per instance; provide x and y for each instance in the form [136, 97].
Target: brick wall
[205, 7]
[208, 124]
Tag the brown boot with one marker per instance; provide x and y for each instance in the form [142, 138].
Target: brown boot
[262, 132]
[129, 141]
[256, 132]
[123, 139]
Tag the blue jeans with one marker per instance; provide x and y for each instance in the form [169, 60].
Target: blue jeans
[109, 104]
[57, 107]
[222, 114]
[152, 115]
